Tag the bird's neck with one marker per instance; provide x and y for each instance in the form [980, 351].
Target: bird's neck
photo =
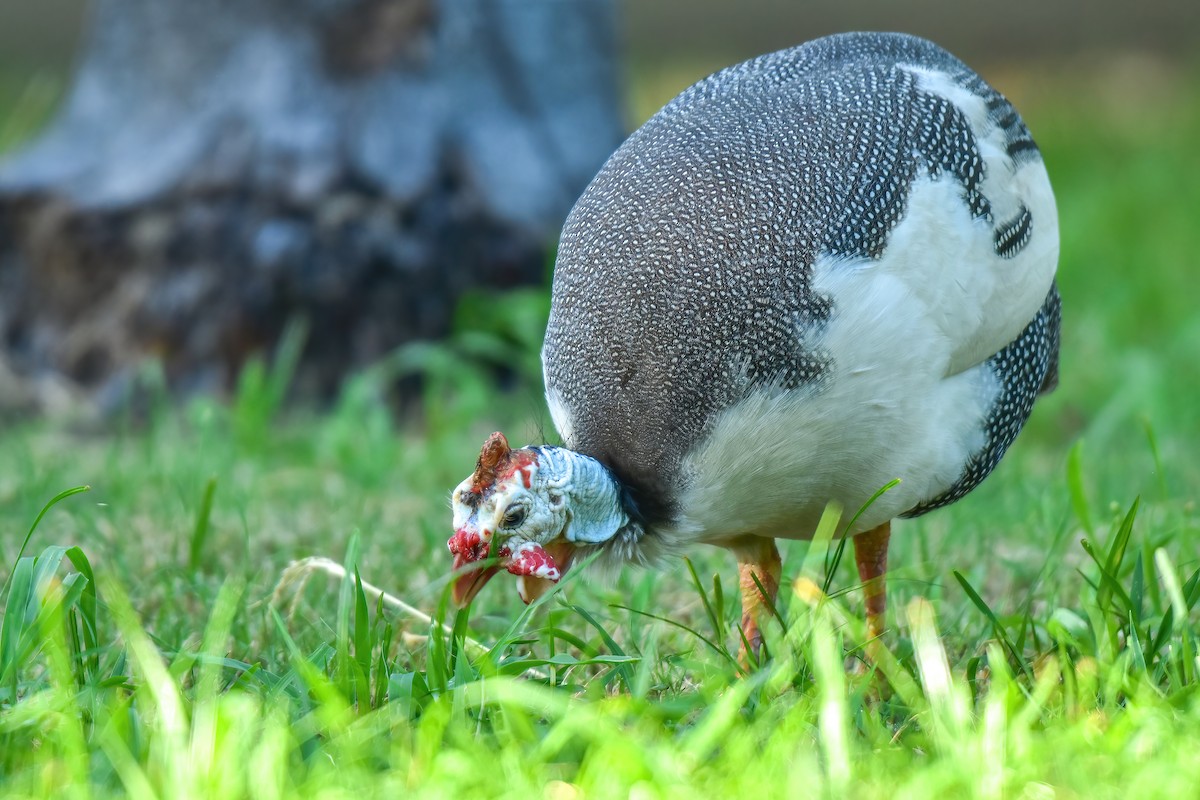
[597, 503]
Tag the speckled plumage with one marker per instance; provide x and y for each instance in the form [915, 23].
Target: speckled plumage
[689, 273]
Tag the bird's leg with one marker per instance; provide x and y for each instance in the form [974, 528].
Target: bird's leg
[757, 557]
[870, 553]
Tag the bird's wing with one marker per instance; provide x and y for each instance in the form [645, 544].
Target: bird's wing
[967, 252]
[981, 277]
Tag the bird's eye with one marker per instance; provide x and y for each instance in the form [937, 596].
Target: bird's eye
[513, 517]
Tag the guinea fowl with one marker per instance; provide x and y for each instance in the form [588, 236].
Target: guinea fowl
[808, 275]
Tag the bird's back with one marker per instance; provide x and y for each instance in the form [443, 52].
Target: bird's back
[729, 250]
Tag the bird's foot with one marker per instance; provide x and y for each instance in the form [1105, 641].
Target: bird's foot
[759, 569]
[870, 555]
[751, 649]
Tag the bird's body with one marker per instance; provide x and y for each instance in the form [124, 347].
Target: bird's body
[808, 275]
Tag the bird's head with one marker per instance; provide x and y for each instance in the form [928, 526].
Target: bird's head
[530, 509]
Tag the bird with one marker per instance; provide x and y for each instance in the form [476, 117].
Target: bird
[808, 276]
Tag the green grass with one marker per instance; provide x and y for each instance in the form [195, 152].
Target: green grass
[1042, 630]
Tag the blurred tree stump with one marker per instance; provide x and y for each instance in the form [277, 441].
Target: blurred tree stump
[220, 166]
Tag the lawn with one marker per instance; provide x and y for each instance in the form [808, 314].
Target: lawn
[1042, 632]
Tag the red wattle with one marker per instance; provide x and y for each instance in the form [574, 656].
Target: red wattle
[532, 559]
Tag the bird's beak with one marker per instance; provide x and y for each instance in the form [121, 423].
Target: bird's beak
[467, 585]
[537, 567]
[555, 558]
[468, 547]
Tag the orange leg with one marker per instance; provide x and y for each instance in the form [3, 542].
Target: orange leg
[757, 557]
[870, 553]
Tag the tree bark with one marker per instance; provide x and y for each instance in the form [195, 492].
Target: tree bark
[220, 166]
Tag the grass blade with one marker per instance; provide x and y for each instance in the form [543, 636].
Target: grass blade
[832, 564]
[362, 644]
[16, 619]
[676, 623]
[1116, 554]
[90, 657]
[1079, 503]
[1152, 441]
[1170, 579]
[200, 530]
[768, 601]
[621, 670]
[1108, 585]
[997, 628]
[63, 495]
[713, 618]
